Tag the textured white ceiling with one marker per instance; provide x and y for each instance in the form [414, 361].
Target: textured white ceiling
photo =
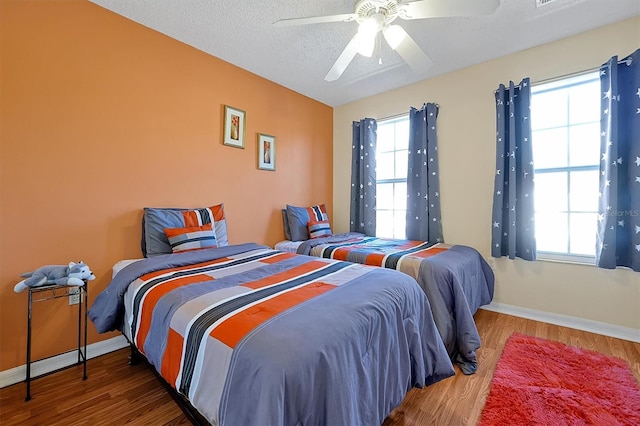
[242, 33]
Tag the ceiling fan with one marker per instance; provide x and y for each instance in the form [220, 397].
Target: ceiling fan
[375, 16]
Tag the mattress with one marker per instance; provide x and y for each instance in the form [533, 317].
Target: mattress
[288, 246]
[121, 265]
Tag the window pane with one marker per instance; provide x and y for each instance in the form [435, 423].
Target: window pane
[385, 138]
[384, 196]
[565, 118]
[391, 166]
[384, 223]
[584, 145]
[582, 108]
[402, 134]
[400, 196]
[400, 224]
[549, 148]
[402, 164]
[552, 232]
[549, 109]
[384, 166]
[551, 192]
[583, 233]
[584, 189]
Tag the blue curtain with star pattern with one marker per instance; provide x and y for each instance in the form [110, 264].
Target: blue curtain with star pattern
[424, 220]
[618, 238]
[363, 177]
[513, 227]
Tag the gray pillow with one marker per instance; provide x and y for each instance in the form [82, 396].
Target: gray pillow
[285, 222]
[154, 240]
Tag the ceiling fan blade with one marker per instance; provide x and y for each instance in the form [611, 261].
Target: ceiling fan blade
[343, 60]
[446, 8]
[347, 17]
[409, 50]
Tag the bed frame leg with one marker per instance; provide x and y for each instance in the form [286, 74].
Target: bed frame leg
[134, 357]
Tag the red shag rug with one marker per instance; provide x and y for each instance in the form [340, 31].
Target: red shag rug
[541, 382]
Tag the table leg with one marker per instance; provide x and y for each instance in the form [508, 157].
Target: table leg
[86, 305]
[79, 319]
[28, 378]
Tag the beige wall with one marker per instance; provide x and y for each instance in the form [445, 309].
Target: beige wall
[466, 144]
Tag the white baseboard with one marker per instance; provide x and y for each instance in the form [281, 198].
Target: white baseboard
[18, 374]
[47, 365]
[597, 327]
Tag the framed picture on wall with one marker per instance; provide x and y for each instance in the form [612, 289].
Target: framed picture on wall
[266, 152]
[234, 119]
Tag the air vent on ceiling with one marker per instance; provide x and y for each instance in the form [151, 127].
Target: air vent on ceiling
[540, 3]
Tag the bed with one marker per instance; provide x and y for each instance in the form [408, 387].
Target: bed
[250, 335]
[456, 279]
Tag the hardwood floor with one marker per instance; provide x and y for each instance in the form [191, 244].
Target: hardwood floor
[116, 393]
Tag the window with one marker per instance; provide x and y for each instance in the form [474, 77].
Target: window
[392, 158]
[565, 125]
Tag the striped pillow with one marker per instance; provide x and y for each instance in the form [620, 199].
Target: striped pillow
[191, 238]
[319, 229]
[215, 215]
[299, 217]
[156, 220]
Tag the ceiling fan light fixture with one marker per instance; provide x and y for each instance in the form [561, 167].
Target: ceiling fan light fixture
[367, 31]
[366, 45]
[394, 34]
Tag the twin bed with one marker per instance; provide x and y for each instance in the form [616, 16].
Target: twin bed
[251, 335]
[456, 280]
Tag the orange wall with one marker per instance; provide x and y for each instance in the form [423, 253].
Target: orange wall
[99, 117]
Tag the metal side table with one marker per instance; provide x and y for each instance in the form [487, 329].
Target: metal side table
[50, 292]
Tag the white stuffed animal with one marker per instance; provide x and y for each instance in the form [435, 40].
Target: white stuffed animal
[73, 275]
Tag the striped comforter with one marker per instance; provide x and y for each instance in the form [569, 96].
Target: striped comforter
[255, 336]
[402, 255]
[456, 279]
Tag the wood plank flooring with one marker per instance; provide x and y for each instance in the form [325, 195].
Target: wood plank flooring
[116, 393]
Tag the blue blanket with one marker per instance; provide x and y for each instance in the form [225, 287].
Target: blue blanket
[253, 336]
[457, 281]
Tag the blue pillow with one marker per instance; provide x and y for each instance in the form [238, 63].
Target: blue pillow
[154, 222]
[300, 216]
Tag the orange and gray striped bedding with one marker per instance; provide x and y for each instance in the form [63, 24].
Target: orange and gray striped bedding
[456, 279]
[251, 335]
[403, 255]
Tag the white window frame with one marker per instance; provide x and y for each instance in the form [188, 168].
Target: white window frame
[395, 180]
[559, 83]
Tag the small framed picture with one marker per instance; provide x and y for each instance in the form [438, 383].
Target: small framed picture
[266, 152]
[233, 127]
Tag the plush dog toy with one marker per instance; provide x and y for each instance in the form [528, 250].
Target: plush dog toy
[72, 275]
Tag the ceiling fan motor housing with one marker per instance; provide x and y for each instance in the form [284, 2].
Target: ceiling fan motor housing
[382, 11]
